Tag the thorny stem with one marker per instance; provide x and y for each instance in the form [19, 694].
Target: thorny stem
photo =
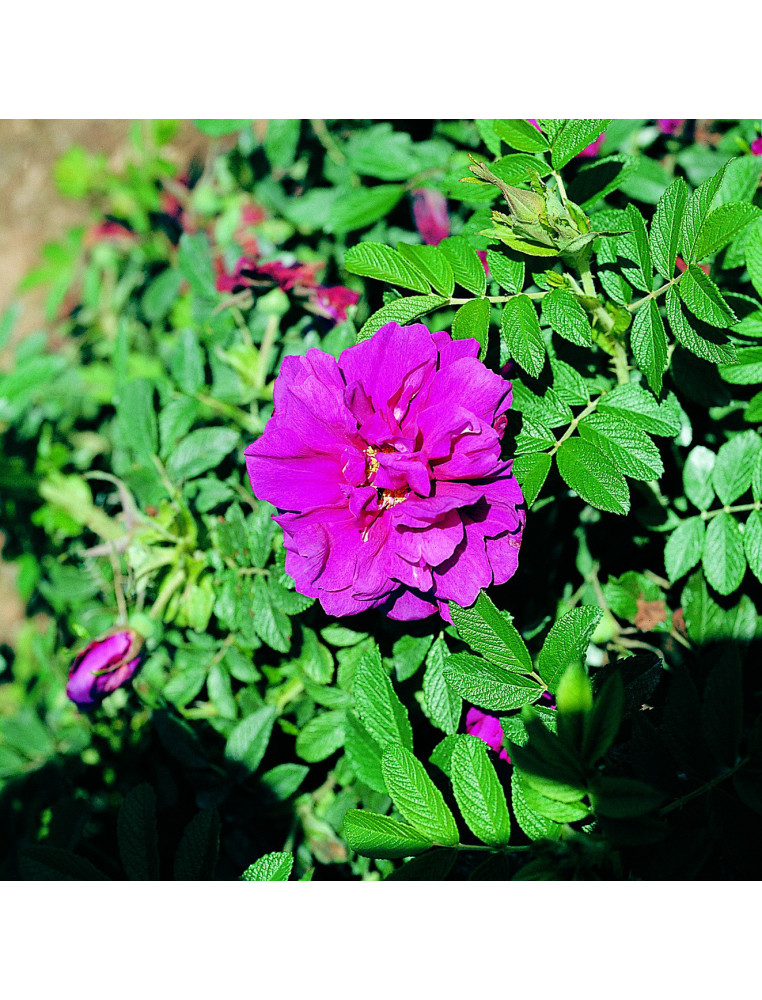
[706, 787]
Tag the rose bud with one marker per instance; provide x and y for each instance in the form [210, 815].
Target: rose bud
[103, 666]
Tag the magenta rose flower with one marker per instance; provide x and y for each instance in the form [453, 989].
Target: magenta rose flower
[103, 666]
[487, 727]
[756, 146]
[386, 470]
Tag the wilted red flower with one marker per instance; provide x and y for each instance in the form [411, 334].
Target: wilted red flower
[333, 302]
[108, 232]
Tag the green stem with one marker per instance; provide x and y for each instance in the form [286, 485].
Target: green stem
[327, 141]
[497, 299]
[740, 508]
[703, 789]
[591, 406]
[653, 295]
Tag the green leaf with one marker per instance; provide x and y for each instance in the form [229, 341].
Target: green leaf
[432, 264]
[321, 736]
[566, 316]
[752, 543]
[197, 852]
[202, 450]
[735, 464]
[161, 294]
[535, 826]
[708, 347]
[489, 686]
[508, 273]
[138, 837]
[574, 136]
[724, 560]
[720, 227]
[217, 127]
[599, 177]
[194, 259]
[248, 741]
[622, 798]
[593, 476]
[136, 425]
[666, 227]
[417, 797]
[270, 623]
[740, 180]
[375, 260]
[753, 247]
[642, 255]
[638, 406]
[275, 867]
[521, 332]
[465, 264]
[519, 134]
[41, 863]
[697, 210]
[408, 653]
[604, 721]
[381, 711]
[361, 207]
[187, 363]
[567, 642]
[490, 633]
[364, 754]
[440, 703]
[531, 471]
[747, 370]
[703, 298]
[472, 320]
[697, 477]
[478, 791]
[628, 447]
[684, 548]
[402, 311]
[434, 866]
[381, 837]
[649, 343]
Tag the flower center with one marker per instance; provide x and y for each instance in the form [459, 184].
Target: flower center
[390, 498]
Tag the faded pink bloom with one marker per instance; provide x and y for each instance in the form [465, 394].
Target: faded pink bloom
[487, 727]
[103, 666]
[681, 266]
[756, 146]
[247, 272]
[430, 214]
[333, 302]
[386, 470]
[482, 255]
[108, 232]
[670, 126]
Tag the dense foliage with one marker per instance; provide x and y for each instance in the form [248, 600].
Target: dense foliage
[596, 716]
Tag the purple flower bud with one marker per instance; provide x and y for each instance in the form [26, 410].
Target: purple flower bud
[103, 666]
[756, 146]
